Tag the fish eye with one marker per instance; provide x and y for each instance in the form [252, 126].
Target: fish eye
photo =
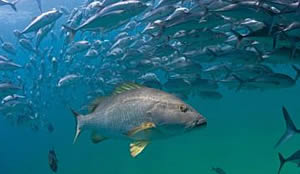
[183, 108]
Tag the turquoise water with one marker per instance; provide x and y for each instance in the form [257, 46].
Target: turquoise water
[241, 133]
[242, 129]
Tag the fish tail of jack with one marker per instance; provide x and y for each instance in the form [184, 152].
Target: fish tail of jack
[282, 162]
[297, 72]
[78, 125]
[13, 5]
[291, 129]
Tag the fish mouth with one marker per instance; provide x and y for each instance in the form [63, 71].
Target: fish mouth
[200, 123]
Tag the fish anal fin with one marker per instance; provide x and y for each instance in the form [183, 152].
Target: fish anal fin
[142, 127]
[97, 138]
[137, 147]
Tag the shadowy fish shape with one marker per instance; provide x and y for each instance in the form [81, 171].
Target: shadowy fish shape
[52, 160]
[294, 158]
[291, 129]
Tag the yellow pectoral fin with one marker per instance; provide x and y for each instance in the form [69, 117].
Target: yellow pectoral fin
[137, 147]
[96, 138]
[143, 126]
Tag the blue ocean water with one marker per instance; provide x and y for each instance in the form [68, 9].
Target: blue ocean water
[240, 135]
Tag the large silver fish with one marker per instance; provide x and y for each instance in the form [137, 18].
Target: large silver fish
[110, 16]
[43, 20]
[140, 114]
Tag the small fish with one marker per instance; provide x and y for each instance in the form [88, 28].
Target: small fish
[12, 97]
[218, 170]
[92, 53]
[291, 129]
[50, 127]
[158, 13]
[78, 47]
[137, 113]
[67, 80]
[9, 66]
[9, 88]
[42, 33]
[26, 44]
[52, 160]
[294, 158]
[9, 48]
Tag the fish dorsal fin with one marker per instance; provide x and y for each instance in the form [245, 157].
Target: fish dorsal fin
[126, 87]
[95, 103]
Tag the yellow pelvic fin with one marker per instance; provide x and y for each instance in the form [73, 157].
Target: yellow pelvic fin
[142, 127]
[137, 147]
[97, 138]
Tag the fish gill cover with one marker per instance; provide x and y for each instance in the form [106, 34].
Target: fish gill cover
[136, 73]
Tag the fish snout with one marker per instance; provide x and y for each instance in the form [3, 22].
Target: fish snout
[200, 122]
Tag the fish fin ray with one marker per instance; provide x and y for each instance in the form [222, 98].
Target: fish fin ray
[137, 147]
[142, 127]
[126, 87]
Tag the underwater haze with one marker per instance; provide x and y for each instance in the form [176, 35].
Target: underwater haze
[68, 66]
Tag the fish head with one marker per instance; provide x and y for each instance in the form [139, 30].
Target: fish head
[175, 116]
[57, 13]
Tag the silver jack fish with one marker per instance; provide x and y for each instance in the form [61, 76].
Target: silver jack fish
[138, 113]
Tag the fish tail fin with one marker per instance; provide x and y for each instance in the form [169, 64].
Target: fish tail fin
[238, 36]
[78, 125]
[282, 162]
[291, 129]
[241, 82]
[228, 71]
[297, 72]
[71, 30]
[13, 5]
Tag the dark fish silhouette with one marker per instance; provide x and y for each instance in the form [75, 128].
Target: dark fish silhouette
[50, 127]
[218, 170]
[52, 160]
[295, 158]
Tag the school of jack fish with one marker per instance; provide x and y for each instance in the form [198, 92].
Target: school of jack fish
[170, 49]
